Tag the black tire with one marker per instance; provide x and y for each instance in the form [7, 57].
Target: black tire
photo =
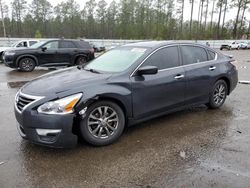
[27, 64]
[218, 94]
[93, 128]
[81, 60]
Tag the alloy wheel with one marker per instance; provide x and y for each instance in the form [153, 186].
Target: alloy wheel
[81, 61]
[219, 94]
[103, 122]
[27, 64]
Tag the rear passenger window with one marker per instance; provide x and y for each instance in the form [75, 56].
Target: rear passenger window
[84, 44]
[211, 55]
[164, 58]
[67, 44]
[193, 54]
[32, 42]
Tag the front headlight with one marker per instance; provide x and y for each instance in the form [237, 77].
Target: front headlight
[61, 106]
[9, 53]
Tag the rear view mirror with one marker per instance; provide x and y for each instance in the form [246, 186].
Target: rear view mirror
[147, 70]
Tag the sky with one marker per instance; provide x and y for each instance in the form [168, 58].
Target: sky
[231, 14]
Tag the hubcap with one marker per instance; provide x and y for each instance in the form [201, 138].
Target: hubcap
[27, 64]
[219, 94]
[103, 122]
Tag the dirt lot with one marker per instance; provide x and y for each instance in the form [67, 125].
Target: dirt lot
[192, 148]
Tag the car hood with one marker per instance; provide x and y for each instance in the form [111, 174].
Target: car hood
[63, 80]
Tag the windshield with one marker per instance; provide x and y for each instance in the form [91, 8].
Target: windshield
[14, 44]
[116, 60]
[37, 45]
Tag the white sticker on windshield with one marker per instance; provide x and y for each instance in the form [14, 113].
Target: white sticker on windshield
[141, 50]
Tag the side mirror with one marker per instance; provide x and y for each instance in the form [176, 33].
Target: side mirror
[44, 48]
[147, 70]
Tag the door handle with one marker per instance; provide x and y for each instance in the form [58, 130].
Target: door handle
[179, 76]
[212, 68]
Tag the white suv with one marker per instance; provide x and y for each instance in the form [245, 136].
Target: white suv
[19, 44]
[231, 46]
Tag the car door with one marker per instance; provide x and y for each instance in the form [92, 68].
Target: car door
[48, 53]
[162, 91]
[200, 70]
[66, 51]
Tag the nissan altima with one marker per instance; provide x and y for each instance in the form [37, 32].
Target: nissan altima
[124, 86]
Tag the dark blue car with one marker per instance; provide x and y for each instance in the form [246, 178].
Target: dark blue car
[122, 87]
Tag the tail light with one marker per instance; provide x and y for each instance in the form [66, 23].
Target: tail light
[92, 50]
[234, 63]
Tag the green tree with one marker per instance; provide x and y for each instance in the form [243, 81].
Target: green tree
[18, 13]
[38, 34]
[41, 11]
[101, 16]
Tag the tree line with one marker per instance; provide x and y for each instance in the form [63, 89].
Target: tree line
[125, 19]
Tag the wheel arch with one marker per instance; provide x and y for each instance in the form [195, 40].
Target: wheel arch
[227, 82]
[25, 56]
[76, 126]
[114, 100]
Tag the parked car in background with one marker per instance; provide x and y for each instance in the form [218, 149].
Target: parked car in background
[19, 44]
[230, 46]
[122, 87]
[49, 53]
[243, 44]
[98, 47]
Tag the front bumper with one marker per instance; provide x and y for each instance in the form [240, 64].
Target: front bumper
[48, 130]
[9, 61]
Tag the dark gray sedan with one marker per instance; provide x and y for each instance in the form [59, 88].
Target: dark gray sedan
[122, 87]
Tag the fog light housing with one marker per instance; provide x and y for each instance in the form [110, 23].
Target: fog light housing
[48, 135]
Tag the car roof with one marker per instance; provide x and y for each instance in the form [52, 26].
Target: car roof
[148, 44]
[157, 44]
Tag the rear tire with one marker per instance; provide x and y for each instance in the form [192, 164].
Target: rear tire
[103, 124]
[218, 94]
[27, 64]
[81, 60]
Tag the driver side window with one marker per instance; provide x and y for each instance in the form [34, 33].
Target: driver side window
[22, 44]
[164, 58]
[51, 45]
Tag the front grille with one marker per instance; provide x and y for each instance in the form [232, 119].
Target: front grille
[23, 101]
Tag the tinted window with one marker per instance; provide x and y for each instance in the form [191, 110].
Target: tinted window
[193, 54]
[211, 55]
[83, 44]
[67, 44]
[164, 58]
[22, 44]
[32, 42]
[52, 45]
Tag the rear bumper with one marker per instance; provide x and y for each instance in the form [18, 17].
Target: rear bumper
[48, 130]
[233, 75]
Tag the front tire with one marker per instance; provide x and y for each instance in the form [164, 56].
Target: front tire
[103, 124]
[218, 95]
[27, 64]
